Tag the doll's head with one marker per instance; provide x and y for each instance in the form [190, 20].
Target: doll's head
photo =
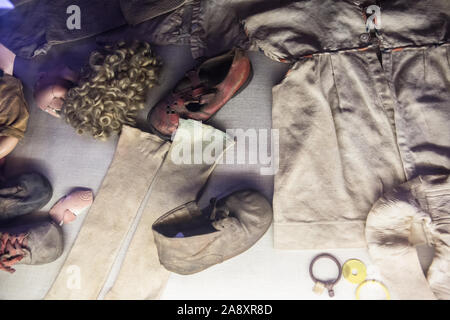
[111, 89]
[50, 93]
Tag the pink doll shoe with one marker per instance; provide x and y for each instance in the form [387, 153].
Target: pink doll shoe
[68, 208]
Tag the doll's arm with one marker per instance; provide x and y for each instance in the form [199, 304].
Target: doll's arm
[7, 144]
[6, 60]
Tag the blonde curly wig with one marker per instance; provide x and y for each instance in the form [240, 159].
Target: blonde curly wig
[112, 89]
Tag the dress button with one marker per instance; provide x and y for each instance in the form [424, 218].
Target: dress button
[364, 37]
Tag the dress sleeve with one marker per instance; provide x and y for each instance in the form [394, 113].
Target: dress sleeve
[13, 108]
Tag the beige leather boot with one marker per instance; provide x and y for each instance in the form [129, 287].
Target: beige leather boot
[190, 240]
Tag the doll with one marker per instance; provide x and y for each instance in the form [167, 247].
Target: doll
[106, 94]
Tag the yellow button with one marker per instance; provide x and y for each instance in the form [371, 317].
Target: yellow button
[354, 271]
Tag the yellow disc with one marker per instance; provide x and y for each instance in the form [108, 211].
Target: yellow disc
[354, 271]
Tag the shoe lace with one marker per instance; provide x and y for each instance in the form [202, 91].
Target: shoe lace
[12, 250]
[200, 95]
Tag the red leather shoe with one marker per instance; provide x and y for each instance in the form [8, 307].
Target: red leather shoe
[203, 91]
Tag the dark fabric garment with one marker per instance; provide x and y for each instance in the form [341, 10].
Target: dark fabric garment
[23, 194]
[22, 30]
[96, 17]
[137, 11]
[208, 27]
[34, 26]
[15, 4]
[162, 30]
[216, 27]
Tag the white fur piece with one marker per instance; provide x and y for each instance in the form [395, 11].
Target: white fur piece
[415, 212]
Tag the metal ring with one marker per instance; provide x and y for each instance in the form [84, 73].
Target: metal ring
[385, 289]
[330, 283]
